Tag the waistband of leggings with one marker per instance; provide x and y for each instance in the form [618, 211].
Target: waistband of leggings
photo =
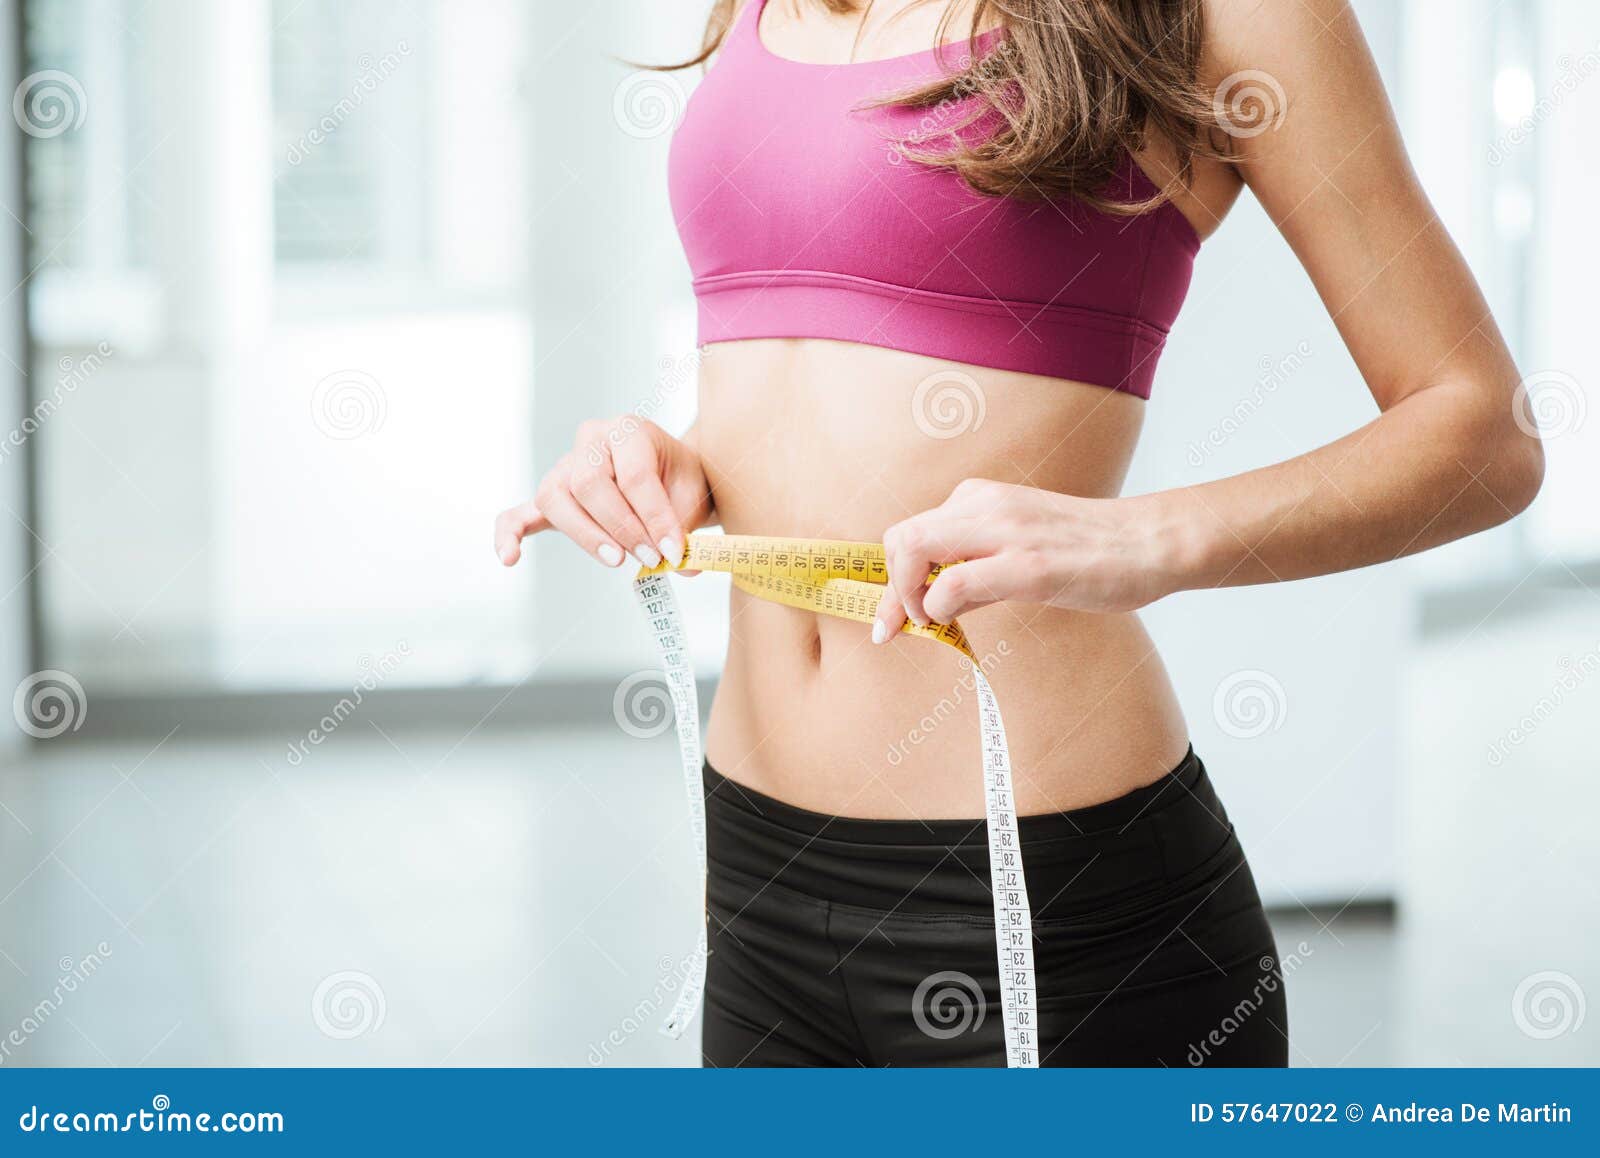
[1077, 861]
[1116, 814]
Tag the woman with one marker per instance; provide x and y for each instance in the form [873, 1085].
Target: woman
[884, 201]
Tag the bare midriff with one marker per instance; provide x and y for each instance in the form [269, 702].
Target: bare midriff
[818, 439]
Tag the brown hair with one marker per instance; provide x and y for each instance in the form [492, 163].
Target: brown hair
[1075, 86]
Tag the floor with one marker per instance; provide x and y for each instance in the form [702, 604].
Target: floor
[414, 899]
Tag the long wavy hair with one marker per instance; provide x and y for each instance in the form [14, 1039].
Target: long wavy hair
[1073, 87]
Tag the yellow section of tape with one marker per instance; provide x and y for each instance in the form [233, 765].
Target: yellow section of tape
[828, 576]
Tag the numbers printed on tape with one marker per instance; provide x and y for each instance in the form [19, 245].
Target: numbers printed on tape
[844, 579]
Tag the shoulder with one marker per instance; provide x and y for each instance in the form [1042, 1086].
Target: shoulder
[1239, 33]
[1280, 52]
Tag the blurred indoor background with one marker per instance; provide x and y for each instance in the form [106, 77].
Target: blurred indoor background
[301, 292]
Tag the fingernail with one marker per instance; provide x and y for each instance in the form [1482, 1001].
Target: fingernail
[672, 551]
[647, 556]
[880, 631]
[609, 555]
[507, 557]
[919, 619]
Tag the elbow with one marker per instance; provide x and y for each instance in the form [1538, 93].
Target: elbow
[1516, 458]
[1532, 474]
[1498, 449]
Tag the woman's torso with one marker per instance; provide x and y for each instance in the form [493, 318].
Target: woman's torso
[821, 438]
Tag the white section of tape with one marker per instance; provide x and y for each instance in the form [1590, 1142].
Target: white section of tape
[666, 625]
[1013, 915]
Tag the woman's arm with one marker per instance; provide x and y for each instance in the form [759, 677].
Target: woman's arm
[1444, 459]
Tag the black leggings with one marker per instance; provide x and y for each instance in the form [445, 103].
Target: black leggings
[841, 942]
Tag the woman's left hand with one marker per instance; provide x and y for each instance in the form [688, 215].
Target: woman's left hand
[1028, 545]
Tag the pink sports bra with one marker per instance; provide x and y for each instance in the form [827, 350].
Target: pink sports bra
[801, 219]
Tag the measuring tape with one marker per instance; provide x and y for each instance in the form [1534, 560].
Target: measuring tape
[845, 580]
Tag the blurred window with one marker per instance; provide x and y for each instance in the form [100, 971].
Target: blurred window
[281, 338]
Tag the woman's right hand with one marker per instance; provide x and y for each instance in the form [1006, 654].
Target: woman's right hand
[626, 487]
